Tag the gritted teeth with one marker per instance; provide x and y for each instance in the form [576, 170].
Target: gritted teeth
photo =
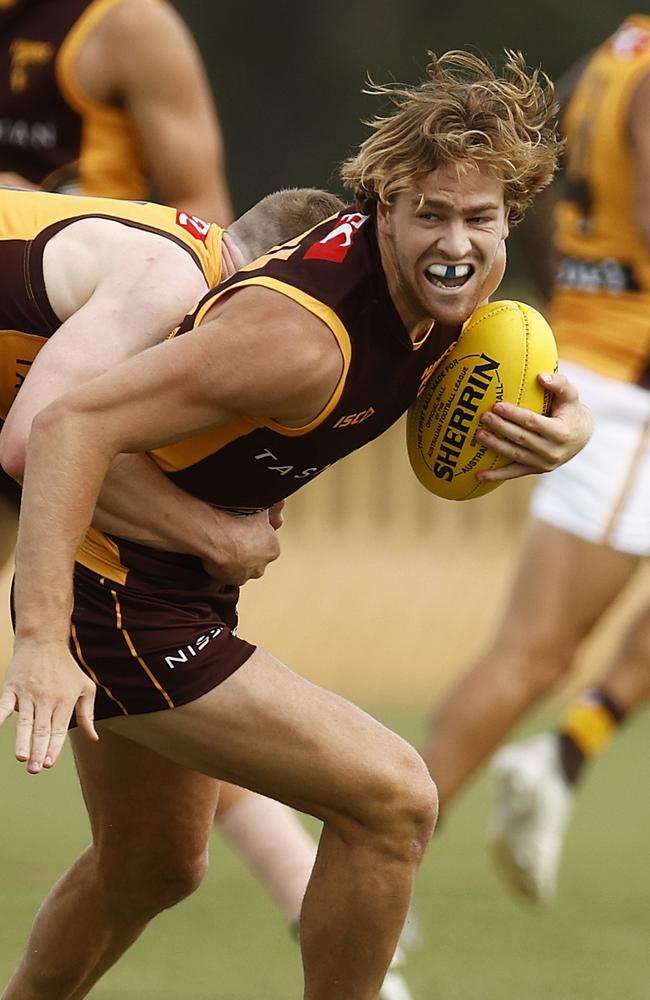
[449, 271]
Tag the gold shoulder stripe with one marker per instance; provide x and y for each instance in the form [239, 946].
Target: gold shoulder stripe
[319, 309]
[78, 34]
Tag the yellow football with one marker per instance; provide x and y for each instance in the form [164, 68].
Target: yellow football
[502, 349]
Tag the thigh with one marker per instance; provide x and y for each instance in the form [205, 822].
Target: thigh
[141, 804]
[270, 730]
[563, 583]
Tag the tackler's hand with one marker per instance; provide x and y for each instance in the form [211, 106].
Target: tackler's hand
[44, 686]
[245, 547]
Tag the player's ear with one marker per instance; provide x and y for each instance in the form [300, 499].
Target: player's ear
[506, 225]
[383, 216]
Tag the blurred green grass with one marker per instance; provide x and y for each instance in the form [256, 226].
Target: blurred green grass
[228, 941]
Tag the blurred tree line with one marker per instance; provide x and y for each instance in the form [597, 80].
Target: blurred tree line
[288, 75]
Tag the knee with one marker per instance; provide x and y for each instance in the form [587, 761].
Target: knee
[401, 807]
[538, 660]
[145, 885]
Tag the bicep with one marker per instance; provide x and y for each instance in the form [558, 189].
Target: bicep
[118, 322]
[243, 362]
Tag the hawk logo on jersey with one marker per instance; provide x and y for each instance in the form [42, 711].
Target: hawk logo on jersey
[193, 225]
[23, 54]
[336, 244]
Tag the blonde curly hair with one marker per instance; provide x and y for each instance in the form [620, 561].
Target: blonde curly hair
[464, 113]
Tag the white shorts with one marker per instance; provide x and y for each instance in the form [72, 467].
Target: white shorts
[603, 494]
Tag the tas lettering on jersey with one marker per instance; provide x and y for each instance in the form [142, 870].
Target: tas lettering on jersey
[193, 225]
[337, 243]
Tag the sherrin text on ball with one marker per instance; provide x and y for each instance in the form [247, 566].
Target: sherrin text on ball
[503, 347]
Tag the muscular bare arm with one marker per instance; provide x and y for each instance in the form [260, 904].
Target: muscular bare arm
[243, 360]
[139, 287]
[142, 57]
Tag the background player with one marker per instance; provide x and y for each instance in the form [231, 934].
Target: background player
[110, 98]
[590, 523]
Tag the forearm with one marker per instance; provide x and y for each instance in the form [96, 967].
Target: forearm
[137, 501]
[62, 480]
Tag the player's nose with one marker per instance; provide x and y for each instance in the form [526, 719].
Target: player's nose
[454, 242]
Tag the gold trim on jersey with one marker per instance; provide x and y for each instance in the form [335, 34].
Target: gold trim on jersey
[109, 158]
[173, 457]
[324, 313]
[182, 454]
[102, 556]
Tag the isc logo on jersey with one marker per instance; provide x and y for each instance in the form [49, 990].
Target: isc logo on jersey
[193, 225]
[337, 243]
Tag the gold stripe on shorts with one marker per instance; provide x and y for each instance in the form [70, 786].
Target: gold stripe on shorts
[134, 653]
[92, 673]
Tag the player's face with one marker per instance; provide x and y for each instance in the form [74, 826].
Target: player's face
[439, 241]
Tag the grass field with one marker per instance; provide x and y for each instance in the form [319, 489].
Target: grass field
[228, 942]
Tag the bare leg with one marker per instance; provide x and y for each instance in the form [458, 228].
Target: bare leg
[533, 781]
[562, 587]
[268, 729]
[627, 679]
[151, 822]
[272, 841]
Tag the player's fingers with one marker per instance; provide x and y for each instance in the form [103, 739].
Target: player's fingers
[85, 714]
[514, 470]
[523, 432]
[8, 702]
[24, 728]
[276, 515]
[41, 734]
[514, 451]
[503, 417]
[58, 732]
[558, 384]
[544, 436]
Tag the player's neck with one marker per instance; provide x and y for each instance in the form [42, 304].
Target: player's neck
[232, 258]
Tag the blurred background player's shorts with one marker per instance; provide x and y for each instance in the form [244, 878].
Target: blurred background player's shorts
[601, 495]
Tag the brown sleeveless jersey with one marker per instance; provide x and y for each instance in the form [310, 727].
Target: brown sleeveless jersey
[50, 132]
[335, 272]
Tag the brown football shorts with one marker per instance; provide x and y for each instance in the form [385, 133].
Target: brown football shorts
[163, 639]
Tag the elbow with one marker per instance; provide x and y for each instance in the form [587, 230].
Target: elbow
[13, 449]
[66, 427]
